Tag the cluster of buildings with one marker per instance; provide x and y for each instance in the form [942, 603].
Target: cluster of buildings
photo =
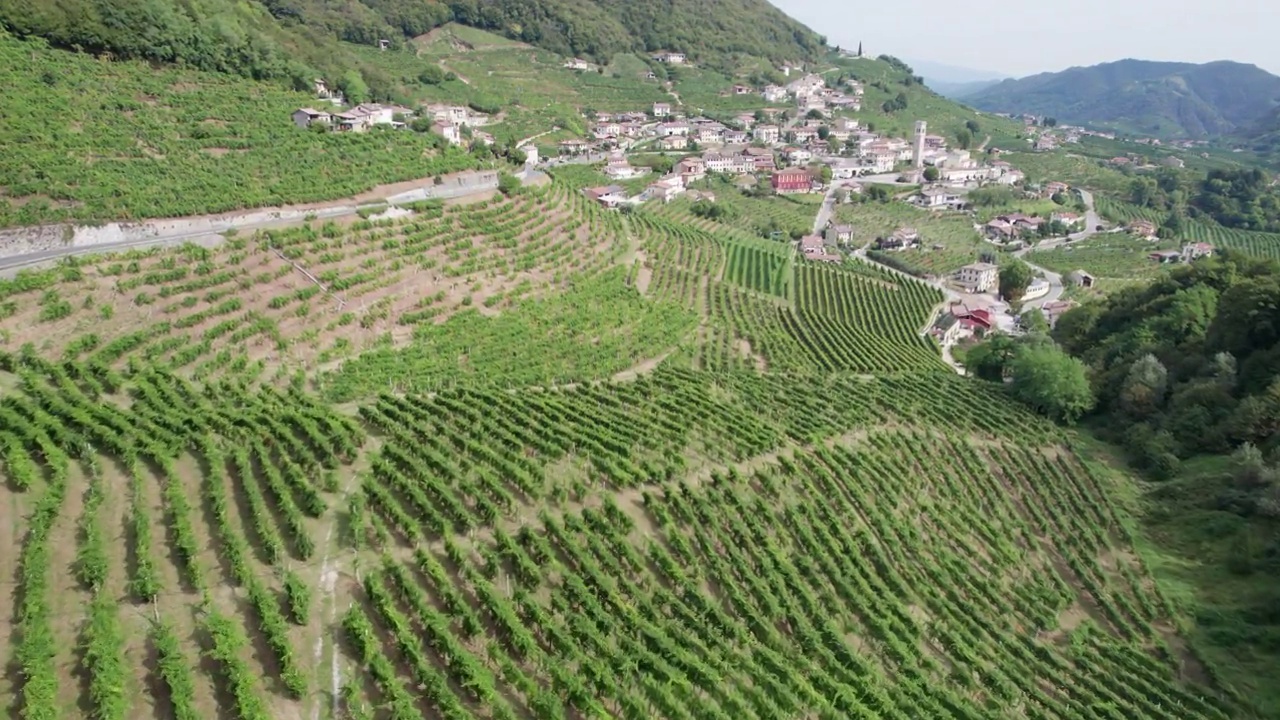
[447, 120]
[961, 320]
[1189, 253]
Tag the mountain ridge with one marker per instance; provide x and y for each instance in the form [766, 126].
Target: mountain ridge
[298, 40]
[1159, 98]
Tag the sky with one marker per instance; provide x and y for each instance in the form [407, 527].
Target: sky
[1024, 37]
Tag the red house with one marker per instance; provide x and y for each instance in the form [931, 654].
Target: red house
[792, 180]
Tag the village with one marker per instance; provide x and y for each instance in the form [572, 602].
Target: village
[801, 143]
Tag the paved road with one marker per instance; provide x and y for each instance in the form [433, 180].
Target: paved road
[1056, 288]
[212, 233]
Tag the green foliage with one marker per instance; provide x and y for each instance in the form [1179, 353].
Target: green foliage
[1015, 277]
[1210, 331]
[128, 141]
[1052, 382]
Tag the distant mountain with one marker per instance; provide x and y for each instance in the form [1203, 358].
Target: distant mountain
[954, 81]
[1151, 98]
[958, 90]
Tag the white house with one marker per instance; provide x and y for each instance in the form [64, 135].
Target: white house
[577, 64]
[731, 164]
[774, 93]
[670, 58]
[767, 134]
[450, 132]
[797, 156]
[979, 277]
[667, 129]
[845, 169]
[661, 110]
[879, 161]
[666, 189]
[936, 198]
[711, 133]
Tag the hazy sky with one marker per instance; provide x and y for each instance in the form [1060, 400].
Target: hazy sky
[1022, 37]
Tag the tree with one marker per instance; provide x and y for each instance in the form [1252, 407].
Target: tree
[508, 184]
[824, 132]
[1034, 322]
[973, 127]
[964, 139]
[825, 174]
[1015, 277]
[353, 87]
[1052, 382]
[1144, 388]
[760, 116]
[931, 174]
[1051, 122]
[814, 114]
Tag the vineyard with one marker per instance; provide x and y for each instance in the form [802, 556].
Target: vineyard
[93, 140]
[1262, 244]
[526, 458]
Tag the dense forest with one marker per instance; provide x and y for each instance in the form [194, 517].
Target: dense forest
[1187, 365]
[294, 40]
[1239, 198]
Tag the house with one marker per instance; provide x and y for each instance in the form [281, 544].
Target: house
[971, 319]
[1069, 219]
[879, 161]
[760, 163]
[1080, 278]
[904, 238]
[1142, 228]
[666, 189]
[1166, 256]
[674, 127]
[767, 134]
[453, 114]
[449, 132]
[999, 230]
[711, 134]
[1195, 251]
[481, 138]
[813, 247]
[731, 164]
[805, 134]
[946, 329]
[577, 64]
[1053, 188]
[735, 137]
[791, 180]
[774, 93]
[808, 85]
[661, 110]
[844, 169]
[742, 90]
[352, 121]
[797, 156]
[303, 117]
[691, 170]
[321, 89]
[936, 198]
[673, 142]
[573, 147]
[609, 196]
[1054, 310]
[839, 233]
[670, 58]
[619, 169]
[1173, 162]
[978, 277]
[1118, 161]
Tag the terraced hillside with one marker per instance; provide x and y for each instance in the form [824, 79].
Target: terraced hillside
[526, 458]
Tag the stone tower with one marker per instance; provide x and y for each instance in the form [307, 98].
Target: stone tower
[917, 154]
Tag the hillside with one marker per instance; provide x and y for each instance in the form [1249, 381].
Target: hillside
[295, 40]
[717, 480]
[1149, 98]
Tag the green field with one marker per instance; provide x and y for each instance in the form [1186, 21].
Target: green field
[1198, 230]
[1115, 256]
[520, 457]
